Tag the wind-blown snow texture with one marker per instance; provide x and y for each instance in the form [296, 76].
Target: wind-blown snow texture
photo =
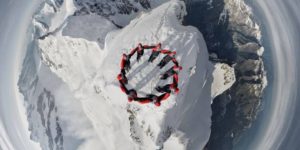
[89, 64]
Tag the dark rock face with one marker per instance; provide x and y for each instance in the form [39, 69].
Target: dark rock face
[207, 19]
[42, 115]
[46, 109]
[42, 112]
[232, 37]
[109, 8]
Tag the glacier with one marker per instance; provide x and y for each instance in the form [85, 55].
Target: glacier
[79, 65]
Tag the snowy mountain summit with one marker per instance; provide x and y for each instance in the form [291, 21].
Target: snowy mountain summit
[88, 61]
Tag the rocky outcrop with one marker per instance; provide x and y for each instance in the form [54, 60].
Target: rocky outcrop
[44, 121]
[233, 37]
[47, 111]
[115, 10]
[107, 8]
[247, 93]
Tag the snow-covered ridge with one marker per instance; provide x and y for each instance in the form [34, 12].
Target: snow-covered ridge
[88, 64]
[85, 67]
[52, 16]
[45, 95]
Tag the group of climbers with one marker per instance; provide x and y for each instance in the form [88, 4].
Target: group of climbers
[166, 89]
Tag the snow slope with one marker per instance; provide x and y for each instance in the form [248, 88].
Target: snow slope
[53, 15]
[89, 67]
[51, 110]
[120, 12]
[224, 78]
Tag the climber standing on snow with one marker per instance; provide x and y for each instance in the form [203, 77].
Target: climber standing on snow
[170, 56]
[164, 89]
[125, 66]
[167, 88]
[155, 52]
[152, 98]
[140, 50]
[160, 98]
[125, 62]
[123, 77]
[175, 83]
[174, 70]
[122, 84]
[131, 94]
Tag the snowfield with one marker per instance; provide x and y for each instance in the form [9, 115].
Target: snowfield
[88, 61]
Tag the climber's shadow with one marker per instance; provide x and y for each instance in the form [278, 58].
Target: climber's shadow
[154, 73]
[137, 70]
[142, 83]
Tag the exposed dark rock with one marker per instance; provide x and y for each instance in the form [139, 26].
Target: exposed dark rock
[47, 109]
[232, 37]
[43, 119]
[107, 8]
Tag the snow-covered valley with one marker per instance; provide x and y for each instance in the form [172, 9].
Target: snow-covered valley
[74, 86]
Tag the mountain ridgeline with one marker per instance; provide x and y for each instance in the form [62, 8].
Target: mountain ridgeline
[233, 37]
